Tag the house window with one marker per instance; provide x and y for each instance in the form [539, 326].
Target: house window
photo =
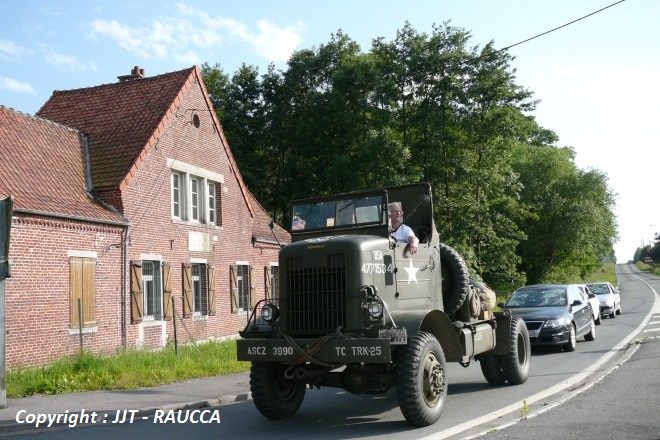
[242, 287]
[152, 290]
[195, 199]
[82, 273]
[198, 290]
[275, 282]
[212, 203]
[176, 195]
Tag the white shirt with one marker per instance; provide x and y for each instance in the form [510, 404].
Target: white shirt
[403, 233]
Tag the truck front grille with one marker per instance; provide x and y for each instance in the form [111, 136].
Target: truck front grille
[315, 294]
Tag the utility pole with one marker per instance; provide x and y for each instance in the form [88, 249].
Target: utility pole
[6, 212]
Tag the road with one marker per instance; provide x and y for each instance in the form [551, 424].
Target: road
[473, 407]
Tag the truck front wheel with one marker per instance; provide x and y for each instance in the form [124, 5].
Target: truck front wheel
[275, 396]
[420, 380]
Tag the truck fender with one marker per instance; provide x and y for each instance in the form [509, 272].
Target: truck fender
[435, 322]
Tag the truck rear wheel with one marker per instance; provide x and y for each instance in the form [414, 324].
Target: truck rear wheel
[512, 367]
[275, 396]
[455, 279]
[515, 364]
[420, 380]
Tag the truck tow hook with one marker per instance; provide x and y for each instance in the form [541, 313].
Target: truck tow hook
[295, 373]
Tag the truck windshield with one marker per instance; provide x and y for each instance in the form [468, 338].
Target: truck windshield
[329, 214]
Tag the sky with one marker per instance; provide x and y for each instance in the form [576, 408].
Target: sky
[597, 79]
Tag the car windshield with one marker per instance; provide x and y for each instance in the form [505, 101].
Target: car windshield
[599, 289]
[538, 297]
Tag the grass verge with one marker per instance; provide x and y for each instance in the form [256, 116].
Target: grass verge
[128, 370]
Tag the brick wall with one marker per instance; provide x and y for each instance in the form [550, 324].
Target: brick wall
[37, 294]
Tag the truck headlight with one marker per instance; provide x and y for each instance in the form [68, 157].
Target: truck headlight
[270, 313]
[375, 310]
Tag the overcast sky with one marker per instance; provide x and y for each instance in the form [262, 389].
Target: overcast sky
[597, 79]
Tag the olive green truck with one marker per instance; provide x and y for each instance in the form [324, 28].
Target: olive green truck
[356, 310]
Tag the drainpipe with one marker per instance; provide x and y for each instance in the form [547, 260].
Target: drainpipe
[124, 272]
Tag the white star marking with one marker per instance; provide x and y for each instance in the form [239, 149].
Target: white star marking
[412, 273]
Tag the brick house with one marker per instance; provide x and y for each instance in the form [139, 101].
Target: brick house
[171, 231]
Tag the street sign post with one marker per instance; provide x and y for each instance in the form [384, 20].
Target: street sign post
[6, 212]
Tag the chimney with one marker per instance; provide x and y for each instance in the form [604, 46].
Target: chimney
[136, 73]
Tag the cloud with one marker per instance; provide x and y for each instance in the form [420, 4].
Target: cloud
[11, 50]
[15, 86]
[67, 62]
[179, 37]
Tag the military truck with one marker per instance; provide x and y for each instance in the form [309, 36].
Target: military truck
[356, 310]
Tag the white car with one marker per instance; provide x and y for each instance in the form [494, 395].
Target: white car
[610, 300]
[587, 295]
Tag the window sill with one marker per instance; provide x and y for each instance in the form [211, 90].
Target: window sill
[178, 221]
[76, 331]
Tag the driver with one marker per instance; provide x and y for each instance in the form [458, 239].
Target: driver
[402, 233]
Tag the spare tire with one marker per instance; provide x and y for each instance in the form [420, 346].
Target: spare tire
[455, 280]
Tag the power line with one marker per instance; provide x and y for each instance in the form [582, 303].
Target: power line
[564, 25]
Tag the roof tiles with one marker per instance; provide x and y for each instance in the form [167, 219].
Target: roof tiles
[42, 166]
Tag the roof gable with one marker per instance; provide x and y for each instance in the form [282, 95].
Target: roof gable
[120, 119]
[42, 166]
[124, 120]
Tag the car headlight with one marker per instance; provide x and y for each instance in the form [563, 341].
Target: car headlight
[554, 323]
[270, 313]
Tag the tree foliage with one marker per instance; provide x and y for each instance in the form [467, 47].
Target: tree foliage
[426, 108]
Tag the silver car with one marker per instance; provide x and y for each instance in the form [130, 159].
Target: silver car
[609, 298]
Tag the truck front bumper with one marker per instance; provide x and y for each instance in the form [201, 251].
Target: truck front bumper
[331, 351]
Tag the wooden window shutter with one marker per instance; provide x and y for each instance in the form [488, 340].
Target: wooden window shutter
[253, 288]
[137, 301]
[268, 282]
[167, 291]
[75, 287]
[89, 292]
[233, 279]
[211, 289]
[187, 290]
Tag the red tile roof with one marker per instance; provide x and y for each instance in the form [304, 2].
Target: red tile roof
[120, 120]
[42, 166]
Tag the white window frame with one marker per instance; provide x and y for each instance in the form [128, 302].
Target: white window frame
[177, 192]
[211, 197]
[157, 282]
[184, 198]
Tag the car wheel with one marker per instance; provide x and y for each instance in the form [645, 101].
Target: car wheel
[572, 340]
[597, 319]
[592, 333]
[613, 314]
[618, 312]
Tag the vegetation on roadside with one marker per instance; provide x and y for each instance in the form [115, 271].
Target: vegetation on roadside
[653, 268]
[128, 370]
